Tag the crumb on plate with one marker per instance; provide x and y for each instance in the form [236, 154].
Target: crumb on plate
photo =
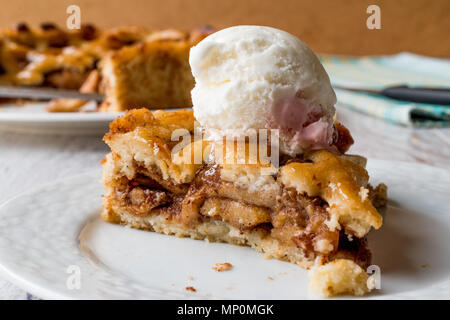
[219, 267]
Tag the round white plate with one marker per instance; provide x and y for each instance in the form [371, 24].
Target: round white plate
[53, 244]
[33, 118]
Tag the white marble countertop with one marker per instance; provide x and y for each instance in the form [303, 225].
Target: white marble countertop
[27, 161]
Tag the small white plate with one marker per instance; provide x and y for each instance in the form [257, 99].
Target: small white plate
[33, 118]
[52, 237]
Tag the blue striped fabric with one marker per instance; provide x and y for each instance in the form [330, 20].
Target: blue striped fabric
[383, 71]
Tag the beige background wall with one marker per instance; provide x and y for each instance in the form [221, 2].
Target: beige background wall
[421, 26]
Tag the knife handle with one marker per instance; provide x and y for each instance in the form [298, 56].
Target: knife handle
[416, 94]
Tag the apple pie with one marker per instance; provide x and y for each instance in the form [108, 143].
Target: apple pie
[132, 66]
[313, 210]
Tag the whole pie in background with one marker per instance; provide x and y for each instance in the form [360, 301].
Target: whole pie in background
[132, 66]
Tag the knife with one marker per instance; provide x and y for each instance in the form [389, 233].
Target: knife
[47, 93]
[414, 94]
[406, 93]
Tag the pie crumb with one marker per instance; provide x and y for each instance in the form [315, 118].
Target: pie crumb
[270, 278]
[219, 267]
[191, 289]
[340, 277]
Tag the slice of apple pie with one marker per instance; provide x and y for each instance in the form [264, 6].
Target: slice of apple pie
[311, 210]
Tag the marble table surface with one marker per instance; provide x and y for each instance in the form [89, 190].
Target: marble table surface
[27, 161]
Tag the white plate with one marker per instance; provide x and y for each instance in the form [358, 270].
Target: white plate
[40, 232]
[33, 118]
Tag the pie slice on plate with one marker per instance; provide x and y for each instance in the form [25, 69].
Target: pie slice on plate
[314, 210]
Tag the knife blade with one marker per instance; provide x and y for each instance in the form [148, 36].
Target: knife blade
[39, 93]
[405, 93]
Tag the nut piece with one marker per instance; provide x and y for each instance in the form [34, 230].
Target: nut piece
[219, 267]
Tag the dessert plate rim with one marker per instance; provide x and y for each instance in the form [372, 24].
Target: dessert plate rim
[32, 118]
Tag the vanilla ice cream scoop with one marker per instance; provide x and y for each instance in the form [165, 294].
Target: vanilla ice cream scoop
[254, 77]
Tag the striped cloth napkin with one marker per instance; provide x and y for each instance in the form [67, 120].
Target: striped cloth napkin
[382, 71]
